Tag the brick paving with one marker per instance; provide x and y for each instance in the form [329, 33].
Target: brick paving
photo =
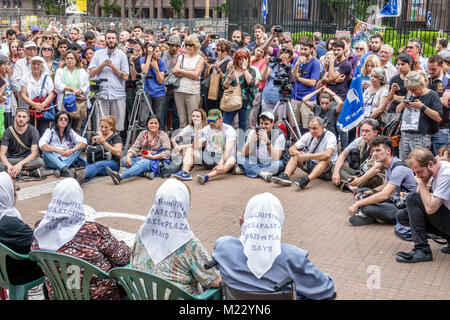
[315, 219]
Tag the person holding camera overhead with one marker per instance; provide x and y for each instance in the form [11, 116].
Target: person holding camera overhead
[422, 112]
[154, 67]
[383, 201]
[103, 151]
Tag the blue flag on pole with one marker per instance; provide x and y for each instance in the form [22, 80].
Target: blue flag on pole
[393, 9]
[353, 110]
[264, 11]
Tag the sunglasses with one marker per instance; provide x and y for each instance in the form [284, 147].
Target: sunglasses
[213, 121]
[219, 50]
[189, 44]
[46, 49]
[48, 38]
[173, 45]
[63, 119]
[31, 49]
[359, 48]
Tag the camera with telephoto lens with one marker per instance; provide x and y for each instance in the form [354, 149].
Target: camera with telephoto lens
[130, 50]
[282, 77]
[305, 165]
[95, 85]
[278, 29]
[399, 203]
[143, 76]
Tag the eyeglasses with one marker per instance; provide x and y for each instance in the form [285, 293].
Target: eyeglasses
[359, 49]
[213, 121]
[219, 50]
[46, 49]
[410, 47]
[63, 119]
[31, 48]
[189, 44]
[48, 38]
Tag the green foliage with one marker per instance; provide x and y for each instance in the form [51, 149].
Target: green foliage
[296, 36]
[178, 8]
[109, 7]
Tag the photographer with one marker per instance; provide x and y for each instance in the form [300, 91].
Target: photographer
[155, 68]
[377, 203]
[275, 69]
[426, 211]
[261, 155]
[315, 153]
[285, 39]
[344, 175]
[422, 112]
[306, 73]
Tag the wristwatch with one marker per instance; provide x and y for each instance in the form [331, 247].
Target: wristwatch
[424, 107]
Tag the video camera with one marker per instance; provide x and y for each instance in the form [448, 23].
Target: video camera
[282, 77]
[143, 76]
[278, 29]
[95, 87]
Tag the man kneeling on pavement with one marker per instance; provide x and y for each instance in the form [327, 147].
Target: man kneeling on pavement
[262, 154]
[426, 211]
[315, 152]
[346, 177]
[379, 203]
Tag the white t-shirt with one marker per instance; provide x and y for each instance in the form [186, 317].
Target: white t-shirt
[372, 100]
[328, 141]
[277, 142]
[33, 87]
[441, 185]
[216, 139]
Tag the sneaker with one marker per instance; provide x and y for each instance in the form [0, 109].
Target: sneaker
[202, 178]
[302, 183]
[57, 173]
[79, 176]
[446, 249]
[361, 219]
[282, 179]
[238, 170]
[65, 172]
[414, 256]
[36, 173]
[114, 175]
[265, 176]
[181, 175]
[150, 175]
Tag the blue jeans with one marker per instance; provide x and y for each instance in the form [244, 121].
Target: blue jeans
[344, 139]
[253, 166]
[139, 167]
[170, 104]
[243, 115]
[53, 161]
[99, 168]
[440, 139]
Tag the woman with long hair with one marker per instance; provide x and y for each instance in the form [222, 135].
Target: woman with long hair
[61, 146]
[372, 61]
[48, 53]
[13, 53]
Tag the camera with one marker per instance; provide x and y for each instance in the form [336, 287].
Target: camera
[143, 76]
[257, 128]
[95, 87]
[214, 36]
[282, 79]
[130, 50]
[399, 203]
[274, 60]
[278, 29]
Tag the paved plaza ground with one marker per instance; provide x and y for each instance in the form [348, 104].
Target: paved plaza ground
[315, 219]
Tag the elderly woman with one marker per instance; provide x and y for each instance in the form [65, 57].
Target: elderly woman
[64, 232]
[15, 234]
[422, 113]
[223, 50]
[241, 74]
[173, 253]
[38, 84]
[375, 96]
[72, 79]
[61, 146]
[8, 100]
[144, 156]
[111, 142]
[154, 66]
[360, 48]
[370, 62]
[189, 67]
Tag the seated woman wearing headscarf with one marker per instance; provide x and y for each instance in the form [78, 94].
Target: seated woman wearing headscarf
[166, 246]
[71, 234]
[15, 234]
[257, 260]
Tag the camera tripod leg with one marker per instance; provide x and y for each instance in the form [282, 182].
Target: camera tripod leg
[92, 111]
[287, 105]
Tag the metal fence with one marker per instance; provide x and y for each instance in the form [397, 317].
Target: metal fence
[303, 17]
[216, 26]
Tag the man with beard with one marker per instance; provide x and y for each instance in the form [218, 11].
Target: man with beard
[375, 43]
[237, 37]
[111, 64]
[19, 152]
[426, 211]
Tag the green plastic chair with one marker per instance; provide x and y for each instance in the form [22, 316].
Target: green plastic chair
[141, 285]
[16, 292]
[69, 276]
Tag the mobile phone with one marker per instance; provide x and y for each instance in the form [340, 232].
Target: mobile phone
[211, 61]
[214, 36]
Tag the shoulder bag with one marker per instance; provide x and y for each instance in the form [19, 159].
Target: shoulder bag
[172, 80]
[232, 98]
[49, 111]
[13, 132]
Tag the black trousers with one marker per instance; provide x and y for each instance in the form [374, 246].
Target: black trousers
[385, 211]
[421, 223]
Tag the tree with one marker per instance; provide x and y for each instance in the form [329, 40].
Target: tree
[109, 7]
[178, 8]
[136, 12]
[52, 7]
[222, 8]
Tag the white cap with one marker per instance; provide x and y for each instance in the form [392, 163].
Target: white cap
[29, 44]
[268, 114]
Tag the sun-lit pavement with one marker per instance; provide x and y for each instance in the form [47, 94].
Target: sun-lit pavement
[360, 260]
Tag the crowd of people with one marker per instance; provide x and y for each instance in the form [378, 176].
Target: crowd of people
[219, 104]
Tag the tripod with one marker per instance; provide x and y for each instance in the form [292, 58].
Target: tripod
[135, 116]
[93, 108]
[287, 104]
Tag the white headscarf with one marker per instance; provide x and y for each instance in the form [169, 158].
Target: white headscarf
[166, 229]
[261, 232]
[64, 217]
[7, 197]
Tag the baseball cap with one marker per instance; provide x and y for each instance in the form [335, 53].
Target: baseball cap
[174, 40]
[268, 115]
[234, 46]
[47, 33]
[29, 44]
[135, 40]
[214, 114]
[35, 28]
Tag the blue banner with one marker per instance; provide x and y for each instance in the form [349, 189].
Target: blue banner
[353, 110]
[393, 9]
[264, 11]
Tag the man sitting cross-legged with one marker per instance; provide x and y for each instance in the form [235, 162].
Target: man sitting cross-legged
[316, 152]
[215, 148]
